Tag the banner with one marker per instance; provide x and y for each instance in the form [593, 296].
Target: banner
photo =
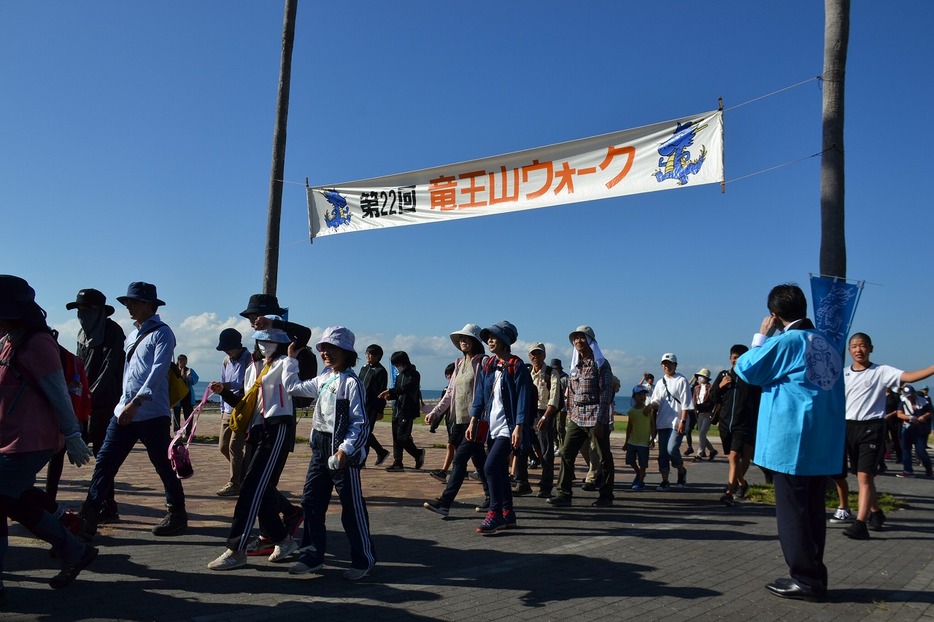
[673, 154]
[835, 303]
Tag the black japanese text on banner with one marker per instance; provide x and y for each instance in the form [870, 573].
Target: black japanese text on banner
[662, 156]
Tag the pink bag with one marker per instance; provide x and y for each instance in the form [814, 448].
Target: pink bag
[179, 456]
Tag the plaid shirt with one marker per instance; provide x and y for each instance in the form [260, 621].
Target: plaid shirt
[590, 394]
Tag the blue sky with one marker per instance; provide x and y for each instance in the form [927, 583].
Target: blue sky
[137, 141]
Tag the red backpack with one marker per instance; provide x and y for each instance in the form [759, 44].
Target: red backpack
[77, 381]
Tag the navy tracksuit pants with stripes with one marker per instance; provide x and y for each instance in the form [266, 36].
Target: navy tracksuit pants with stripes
[271, 444]
[320, 482]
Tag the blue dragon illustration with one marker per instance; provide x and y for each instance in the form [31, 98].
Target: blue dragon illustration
[338, 213]
[676, 162]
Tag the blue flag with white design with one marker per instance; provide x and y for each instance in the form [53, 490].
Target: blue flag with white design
[835, 303]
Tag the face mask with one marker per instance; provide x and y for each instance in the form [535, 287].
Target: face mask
[267, 347]
[87, 318]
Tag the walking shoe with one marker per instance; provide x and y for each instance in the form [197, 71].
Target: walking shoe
[543, 494]
[534, 464]
[303, 568]
[589, 486]
[283, 550]
[436, 507]
[475, 475]
[355, 574]
[293, 521]
[743, 490]
[856, 530]
[228, 560]
[559, 501]
[638, 485]
[688, 451]
[876, 520]
[69, 572]
[727, 499]
[602, 502]
[842, 515]
[260, 546]
[483, 507]
[509, 520]
[713, 454]
[229, 490]
[663, 487]
[418, 465]
[173, 523]
[905, 474]
[440, 475]
[521, 489]
[381, 457]
[699, 458]
[491, 524]
[682, 481]
[109, 513]
[88, 525]
[395, 467]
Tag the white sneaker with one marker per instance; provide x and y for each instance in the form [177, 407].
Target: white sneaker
[842, 515]
[303, 568]
[229, 560]
[284, 549]
[355, 574]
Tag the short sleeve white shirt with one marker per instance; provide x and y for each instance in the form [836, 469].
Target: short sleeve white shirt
[865, 390]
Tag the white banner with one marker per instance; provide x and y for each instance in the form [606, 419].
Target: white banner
[673, 154]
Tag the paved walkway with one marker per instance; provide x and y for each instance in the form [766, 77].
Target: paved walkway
[678, 556]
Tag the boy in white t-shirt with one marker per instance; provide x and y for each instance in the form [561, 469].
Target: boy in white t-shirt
[865, 384]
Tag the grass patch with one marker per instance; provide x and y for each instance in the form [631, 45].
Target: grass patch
[765, 493]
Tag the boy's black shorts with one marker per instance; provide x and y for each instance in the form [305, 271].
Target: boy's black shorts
[737, 439]
[865, 444]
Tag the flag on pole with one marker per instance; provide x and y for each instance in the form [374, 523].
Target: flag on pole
[835, 303]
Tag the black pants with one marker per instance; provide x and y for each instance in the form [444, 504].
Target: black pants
[546, 440]
[402, 440]
[802, 527]
[259, 497]
[465, 451]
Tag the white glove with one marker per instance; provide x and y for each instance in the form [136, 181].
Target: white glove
[79, 453]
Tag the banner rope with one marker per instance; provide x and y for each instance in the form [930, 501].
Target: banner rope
[781, 90]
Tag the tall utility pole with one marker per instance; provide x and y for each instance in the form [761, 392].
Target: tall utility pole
[271, 267]
[833, 236]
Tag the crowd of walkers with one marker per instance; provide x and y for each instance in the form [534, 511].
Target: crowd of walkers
[503, 415]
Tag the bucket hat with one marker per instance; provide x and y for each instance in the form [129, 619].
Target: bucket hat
[138, 290]
[92, 298]
[504, 331]
[230, 339]
[271, 334]
[339, 336]
[470, 330]
[15, 296]
[582, 329]
[263, 304]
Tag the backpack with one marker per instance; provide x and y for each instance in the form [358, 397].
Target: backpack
[76, 379]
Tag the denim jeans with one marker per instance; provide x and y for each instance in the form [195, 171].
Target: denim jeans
[915, 436]
[497, 474]
[669, 450]
[120, 439]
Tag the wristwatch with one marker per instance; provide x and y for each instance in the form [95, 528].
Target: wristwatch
[137, 401]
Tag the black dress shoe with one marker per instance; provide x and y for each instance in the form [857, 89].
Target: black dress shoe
[789, 588]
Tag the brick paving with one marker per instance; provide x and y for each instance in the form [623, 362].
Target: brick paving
[678, 555]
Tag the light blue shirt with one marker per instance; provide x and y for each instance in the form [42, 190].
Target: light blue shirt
[146, 373]
[802, 413]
